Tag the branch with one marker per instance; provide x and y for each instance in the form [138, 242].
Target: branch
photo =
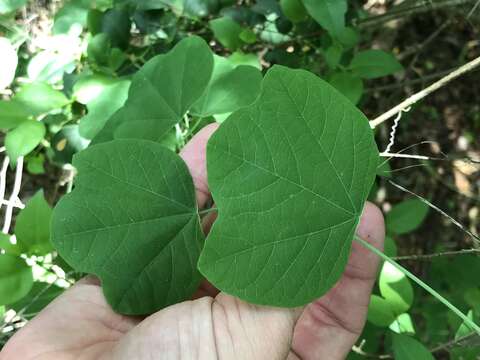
[432, 256]
[425, 92]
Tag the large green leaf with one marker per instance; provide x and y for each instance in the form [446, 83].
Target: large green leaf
[165, 88]
[132, 220]
[24, 138]
[290, 175]
[407, 348]
[406, 216]
[16, 278]
[230, 88]
[371, 64]
[330, 14]
[32, 227]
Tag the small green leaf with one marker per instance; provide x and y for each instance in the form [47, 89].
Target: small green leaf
[380, 312]
[32, 227]
[294, 10]
[248, 36]
[145, 255]
[9, 63]
[16, 279]
[395, 287]
[165, 87]
[333, 55]
[40, 98]
[464, 329]
[298, 178]
[330, 14]
[349, 85]
[406, 216]
[24, 138]
[227, 31]
[239, 58]
[108, 99]
[403, 324]
[35, 164]
[12, 114]
[390, 247]
[407, 348]
[116, 24]
[72, 14]
[230, 88]
[372, 64]
[348, 37]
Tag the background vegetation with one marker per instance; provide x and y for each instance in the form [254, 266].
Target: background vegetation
[65, 67]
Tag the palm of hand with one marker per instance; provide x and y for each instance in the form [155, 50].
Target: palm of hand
[81, 325]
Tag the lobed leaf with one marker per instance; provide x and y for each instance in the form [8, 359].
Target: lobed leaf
[132, 220]
[290, 175]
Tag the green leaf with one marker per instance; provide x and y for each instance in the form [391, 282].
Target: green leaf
[165, 87]
[348, 84]
[107, 101]
[12, 114]
[330, 14]
[395, 288]
[372, 64]
[145, 255]
[380, 312]
[116, 24]
[7, 246]
[239, 58]
[230, 88]
[406, 216]
[37, 299]
[464, 329]
[16, 279]
[67, 142]
[24, 138]
[35, 164]
[390, 247]
[8, 6]
[407, 348]
[248, 36]
[403, 324]
[40, 98]
[227, 32]
[32, 227]
[294, 10]
[333, 55]
[348, 37]
[72, 14]
[270, 33]
[299, 164]
[9, 63]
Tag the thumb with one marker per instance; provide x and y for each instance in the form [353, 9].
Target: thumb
[254, 332]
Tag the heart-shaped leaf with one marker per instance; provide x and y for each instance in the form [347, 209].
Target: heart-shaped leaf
[165, 88]
[132, 220]
[290, 175]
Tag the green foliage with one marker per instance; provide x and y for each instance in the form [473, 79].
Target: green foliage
[103, 227]
[16, 279]
[406, 216]
[32, 228]
[294, 10]
[9, 63]
[372, 64]
[24, 138]
[8, 6]
[268, 186]
[330, 14]
[40, 98]
[227, 31]
[407, 348]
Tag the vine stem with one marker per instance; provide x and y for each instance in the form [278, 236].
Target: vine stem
[427, 288]
[436, 255]
[425, 92]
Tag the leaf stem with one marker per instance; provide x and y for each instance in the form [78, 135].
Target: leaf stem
[468, 322]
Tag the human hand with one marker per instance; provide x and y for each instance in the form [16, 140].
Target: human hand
[80, 324]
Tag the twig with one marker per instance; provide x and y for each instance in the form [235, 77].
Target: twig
[437, 209]
[440, 254]
[425, 92]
